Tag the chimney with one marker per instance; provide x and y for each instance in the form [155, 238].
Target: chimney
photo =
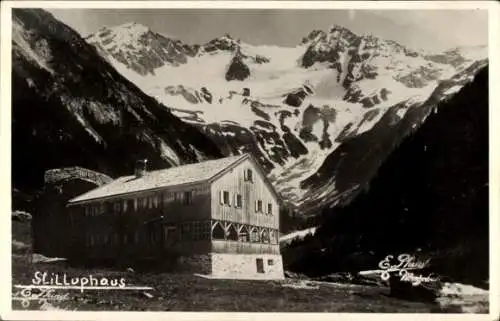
[141, 167]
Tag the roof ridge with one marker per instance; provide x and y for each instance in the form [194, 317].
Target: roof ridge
[151, 176]
[237, 157]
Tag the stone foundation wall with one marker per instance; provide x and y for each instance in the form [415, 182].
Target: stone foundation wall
[201, 263]
[244, 266]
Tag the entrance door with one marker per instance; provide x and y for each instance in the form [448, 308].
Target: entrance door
[260, 265]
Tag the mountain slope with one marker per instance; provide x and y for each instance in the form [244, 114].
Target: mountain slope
[70, 107]
[293, 107]
[430, 196]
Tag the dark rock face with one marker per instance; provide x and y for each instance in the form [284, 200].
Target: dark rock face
[296, 97]
[351, 165]
[430, 195]
[237, 70]
[355, 95]
[452, 57]
[419, 78]
[191, 96]
[207, 95]
[150, 51]
[226, 43]
[70, 107]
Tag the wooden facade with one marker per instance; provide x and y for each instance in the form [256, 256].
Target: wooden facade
[234, 212]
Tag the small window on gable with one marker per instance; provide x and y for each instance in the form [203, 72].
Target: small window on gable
[238, 200]
[248, 175]
[258, 206]
[269, 208]
[270, 262]
[224, 198]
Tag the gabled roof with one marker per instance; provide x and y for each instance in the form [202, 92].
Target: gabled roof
[170, 177]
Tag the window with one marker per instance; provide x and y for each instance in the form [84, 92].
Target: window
[270, 262]
[129, 238]
[206, 229]
[106, 239]
[254, 236]
[232, 233]
[243, 235]
[238, 201]
[248, 175]
[269, 208]
[170, 234]
[218, 232]
[116, 238]
[130, 205]
[258, 206]
[186, 231]
[265, 237]
[188, 198]
[224, 198]
[260, 265]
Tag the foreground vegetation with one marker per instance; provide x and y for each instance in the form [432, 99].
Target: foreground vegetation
[187, 292]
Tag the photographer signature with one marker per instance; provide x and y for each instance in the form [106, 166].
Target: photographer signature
[42, 297]
[405, 262]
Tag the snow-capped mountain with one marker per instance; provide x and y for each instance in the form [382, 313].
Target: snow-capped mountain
[70, 107]
[293, 107]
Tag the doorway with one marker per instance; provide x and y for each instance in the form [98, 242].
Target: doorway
[260, 265]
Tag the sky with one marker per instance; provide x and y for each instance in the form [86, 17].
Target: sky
[433, 30]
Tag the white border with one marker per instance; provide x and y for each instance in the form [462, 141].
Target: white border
[5, 145]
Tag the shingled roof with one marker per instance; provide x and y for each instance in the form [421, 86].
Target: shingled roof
[174, 176]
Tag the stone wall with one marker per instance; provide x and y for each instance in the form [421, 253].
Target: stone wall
[195, 264]
[244, 266]
[55, 175]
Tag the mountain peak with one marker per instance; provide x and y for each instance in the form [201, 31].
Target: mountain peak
[223, 43]
[130, 31]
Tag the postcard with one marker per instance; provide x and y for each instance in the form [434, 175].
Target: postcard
[249, 160]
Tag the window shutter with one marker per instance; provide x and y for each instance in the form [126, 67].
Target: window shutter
[256, 206]
[235, 200]
[245, 175]
[221, 197]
